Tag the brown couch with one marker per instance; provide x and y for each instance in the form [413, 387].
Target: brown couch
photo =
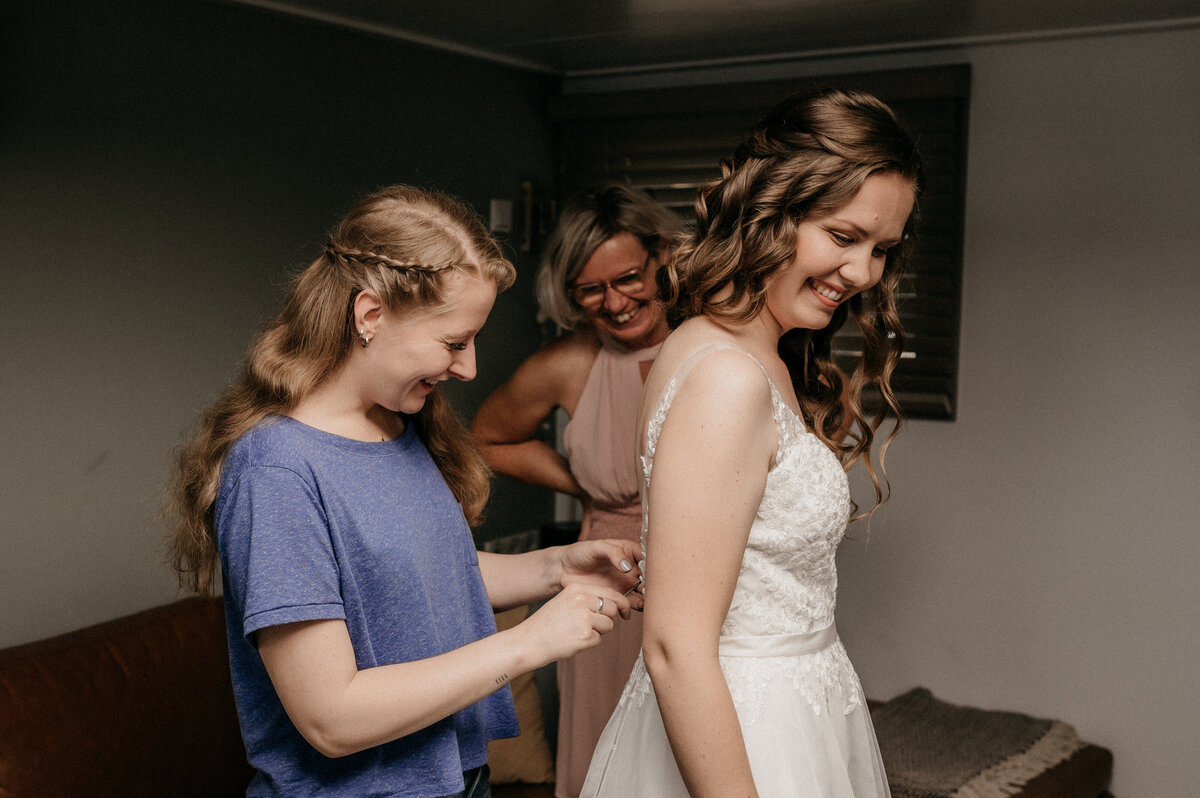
[137, 707]
[142, 706]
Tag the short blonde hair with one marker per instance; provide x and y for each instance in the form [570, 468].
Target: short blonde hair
[588, 220]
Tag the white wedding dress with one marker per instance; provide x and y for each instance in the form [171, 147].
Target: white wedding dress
[806, 726]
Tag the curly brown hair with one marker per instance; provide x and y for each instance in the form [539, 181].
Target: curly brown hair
[808, 157]
[400, 242]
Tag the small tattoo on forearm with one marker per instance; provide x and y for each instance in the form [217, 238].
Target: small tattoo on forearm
[501, 679]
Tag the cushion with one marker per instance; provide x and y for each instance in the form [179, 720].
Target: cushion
[934, 749]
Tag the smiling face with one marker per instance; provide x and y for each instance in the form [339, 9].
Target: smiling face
[414, 350]
[633, 320]
[839, 255]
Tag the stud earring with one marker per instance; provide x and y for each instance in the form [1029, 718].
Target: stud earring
[363, 338]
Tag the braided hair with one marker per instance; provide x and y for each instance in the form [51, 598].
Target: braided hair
[400, 243]
[808, 157]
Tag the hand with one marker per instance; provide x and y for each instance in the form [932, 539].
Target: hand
[573, 621]
[610, 563]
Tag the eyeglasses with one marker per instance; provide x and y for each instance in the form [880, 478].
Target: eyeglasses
[591, 295]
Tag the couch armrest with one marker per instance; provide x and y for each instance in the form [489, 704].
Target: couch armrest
[138, 706]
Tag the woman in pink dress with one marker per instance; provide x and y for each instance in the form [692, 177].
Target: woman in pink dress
[597, 281]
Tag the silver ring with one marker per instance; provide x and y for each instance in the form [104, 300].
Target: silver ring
[601, 610]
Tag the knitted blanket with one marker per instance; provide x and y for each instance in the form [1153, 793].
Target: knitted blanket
[932, 749]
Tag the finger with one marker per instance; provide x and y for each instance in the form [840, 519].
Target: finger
[616, 604]
[633, 552]
[609, 608]
[623, 554]
[596, 599]
[602, 622]
[630, 566]
[637, 599]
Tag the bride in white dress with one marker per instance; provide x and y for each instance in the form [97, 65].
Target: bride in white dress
[743, 688]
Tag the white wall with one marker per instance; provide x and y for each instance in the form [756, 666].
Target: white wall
[1042, 552]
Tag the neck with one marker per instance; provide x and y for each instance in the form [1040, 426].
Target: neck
[764, 331]
[330, 411]
[652, 338]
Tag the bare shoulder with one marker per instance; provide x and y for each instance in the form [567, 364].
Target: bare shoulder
[563, 364]
[724, 379]
[574, 351]
[727, 382]
[718, 388]
[720, 413]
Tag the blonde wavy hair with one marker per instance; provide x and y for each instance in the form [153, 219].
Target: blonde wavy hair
[400, 242]
[808, 157]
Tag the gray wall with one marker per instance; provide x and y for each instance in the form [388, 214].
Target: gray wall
[1042, 552]
[163, 168]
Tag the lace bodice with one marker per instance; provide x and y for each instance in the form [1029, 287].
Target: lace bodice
[788, 578]
[787, 583]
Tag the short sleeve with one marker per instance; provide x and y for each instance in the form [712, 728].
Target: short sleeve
[276, 551]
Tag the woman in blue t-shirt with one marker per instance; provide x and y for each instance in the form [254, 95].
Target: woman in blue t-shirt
[331, 487]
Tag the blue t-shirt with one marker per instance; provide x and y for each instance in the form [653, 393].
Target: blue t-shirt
[312, 526]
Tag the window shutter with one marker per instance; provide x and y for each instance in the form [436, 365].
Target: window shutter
[668, 142]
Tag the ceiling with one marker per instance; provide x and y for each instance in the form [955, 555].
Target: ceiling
[592, 37]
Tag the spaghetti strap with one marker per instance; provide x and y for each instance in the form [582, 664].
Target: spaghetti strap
[655, 422]
[685, 368]
[695, 357]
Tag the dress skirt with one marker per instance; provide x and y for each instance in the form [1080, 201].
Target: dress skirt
[806, 728]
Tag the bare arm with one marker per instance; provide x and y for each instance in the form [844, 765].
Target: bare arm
[340, 709]
[709, 474]
[506, 425]
[515, 579]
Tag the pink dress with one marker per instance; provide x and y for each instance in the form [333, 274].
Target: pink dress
[599, 443]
